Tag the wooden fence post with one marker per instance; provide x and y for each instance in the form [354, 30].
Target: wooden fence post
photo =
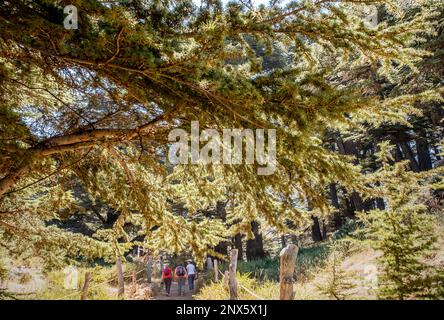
[216, 271]
[209, 263]
[161, 263]
[232, 272]
[287, 265]
[120, 279]
[85, 287]
[149, 269]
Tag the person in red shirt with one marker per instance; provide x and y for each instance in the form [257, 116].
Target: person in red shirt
[167, 277]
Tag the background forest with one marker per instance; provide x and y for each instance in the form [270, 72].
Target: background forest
[85, 115]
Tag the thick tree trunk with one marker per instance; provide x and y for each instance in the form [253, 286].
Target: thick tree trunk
[324, 230]
[316, 234]
[222, 248]
[255, 247]
[398, 154]
[349, 148]
[283, 241]
[149, 268]
[436, 152]
[238, 246]
[337, 219]
[221, 213]
[408, 153]
[423, 151]
[356, 201]
[111, 217]
[334, 195]
[216, 270]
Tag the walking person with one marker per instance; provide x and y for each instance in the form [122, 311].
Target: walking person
[180, 275]
[191, 270]
[167, 278]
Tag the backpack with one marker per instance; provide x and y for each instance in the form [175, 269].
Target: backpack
[180, 271]
[167, 272]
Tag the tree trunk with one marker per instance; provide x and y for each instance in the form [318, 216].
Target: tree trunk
[398, 154]
[324, 230]
[337, 217]
[221, 213]
[356, 201]
[334, 195]
[423, 151]
[286, 271]
[216, 271]
[149, 269]
[283, 241]
[238, 245]
[255, 247]
[436, 152]
[316, 234]
[222, 248]
[111, 217]
[350, 148]
[407, 151]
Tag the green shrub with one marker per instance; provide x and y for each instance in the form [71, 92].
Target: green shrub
[262, 270]
[404, 232]
[332, 280]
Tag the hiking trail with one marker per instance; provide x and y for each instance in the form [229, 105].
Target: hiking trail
[161, 295]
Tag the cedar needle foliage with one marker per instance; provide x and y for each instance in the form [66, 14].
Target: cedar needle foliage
[92, 108]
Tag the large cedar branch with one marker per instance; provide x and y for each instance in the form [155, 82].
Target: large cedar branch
[71, 142]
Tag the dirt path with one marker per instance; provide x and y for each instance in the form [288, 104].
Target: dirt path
[173, 296]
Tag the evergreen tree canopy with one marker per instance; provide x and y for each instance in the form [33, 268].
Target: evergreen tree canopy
[94, 106]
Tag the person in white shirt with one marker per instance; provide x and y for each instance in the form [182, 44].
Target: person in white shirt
[191, 270]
